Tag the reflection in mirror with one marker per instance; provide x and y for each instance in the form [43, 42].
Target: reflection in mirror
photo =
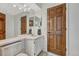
[30, 31]
[37, 21]
[31, 21]
[39, 32]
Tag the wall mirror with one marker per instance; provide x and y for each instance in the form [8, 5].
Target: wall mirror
[31, 22]
[37, 21]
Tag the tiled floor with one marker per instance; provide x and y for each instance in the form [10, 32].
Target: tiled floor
[41, 54]
[47, 54]
[51, 54]
[22, 54]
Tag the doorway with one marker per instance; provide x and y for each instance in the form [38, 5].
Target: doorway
[56, 33]
[2, 26]
[23, 25]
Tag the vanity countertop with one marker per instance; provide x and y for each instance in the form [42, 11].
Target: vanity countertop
[32, 37]
[9, 41]
[18, 38]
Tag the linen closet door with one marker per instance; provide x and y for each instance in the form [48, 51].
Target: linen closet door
[2, 26]
[23, 25]
[57, 29]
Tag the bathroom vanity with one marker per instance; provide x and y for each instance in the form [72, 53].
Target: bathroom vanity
[33, 44]
[11, 46]
[29, 44]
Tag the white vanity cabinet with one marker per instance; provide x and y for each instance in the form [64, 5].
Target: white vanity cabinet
[11, 46]
[34, 45]
[30, 44]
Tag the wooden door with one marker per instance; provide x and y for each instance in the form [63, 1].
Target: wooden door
[23, 25]
[57, 29]
[2, 26]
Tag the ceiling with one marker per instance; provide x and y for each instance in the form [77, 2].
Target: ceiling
[16, 8]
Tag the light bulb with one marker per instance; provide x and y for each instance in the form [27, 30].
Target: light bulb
[24, 9]
[25, 5]
[20, 8]
[14, 5]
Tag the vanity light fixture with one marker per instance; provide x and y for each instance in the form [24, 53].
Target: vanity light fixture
[25, 5]
[14, 5]
[20, 8]
[24, 9]
[29, 8]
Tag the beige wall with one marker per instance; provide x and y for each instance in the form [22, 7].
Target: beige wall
[9, 26]
[73, 17]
